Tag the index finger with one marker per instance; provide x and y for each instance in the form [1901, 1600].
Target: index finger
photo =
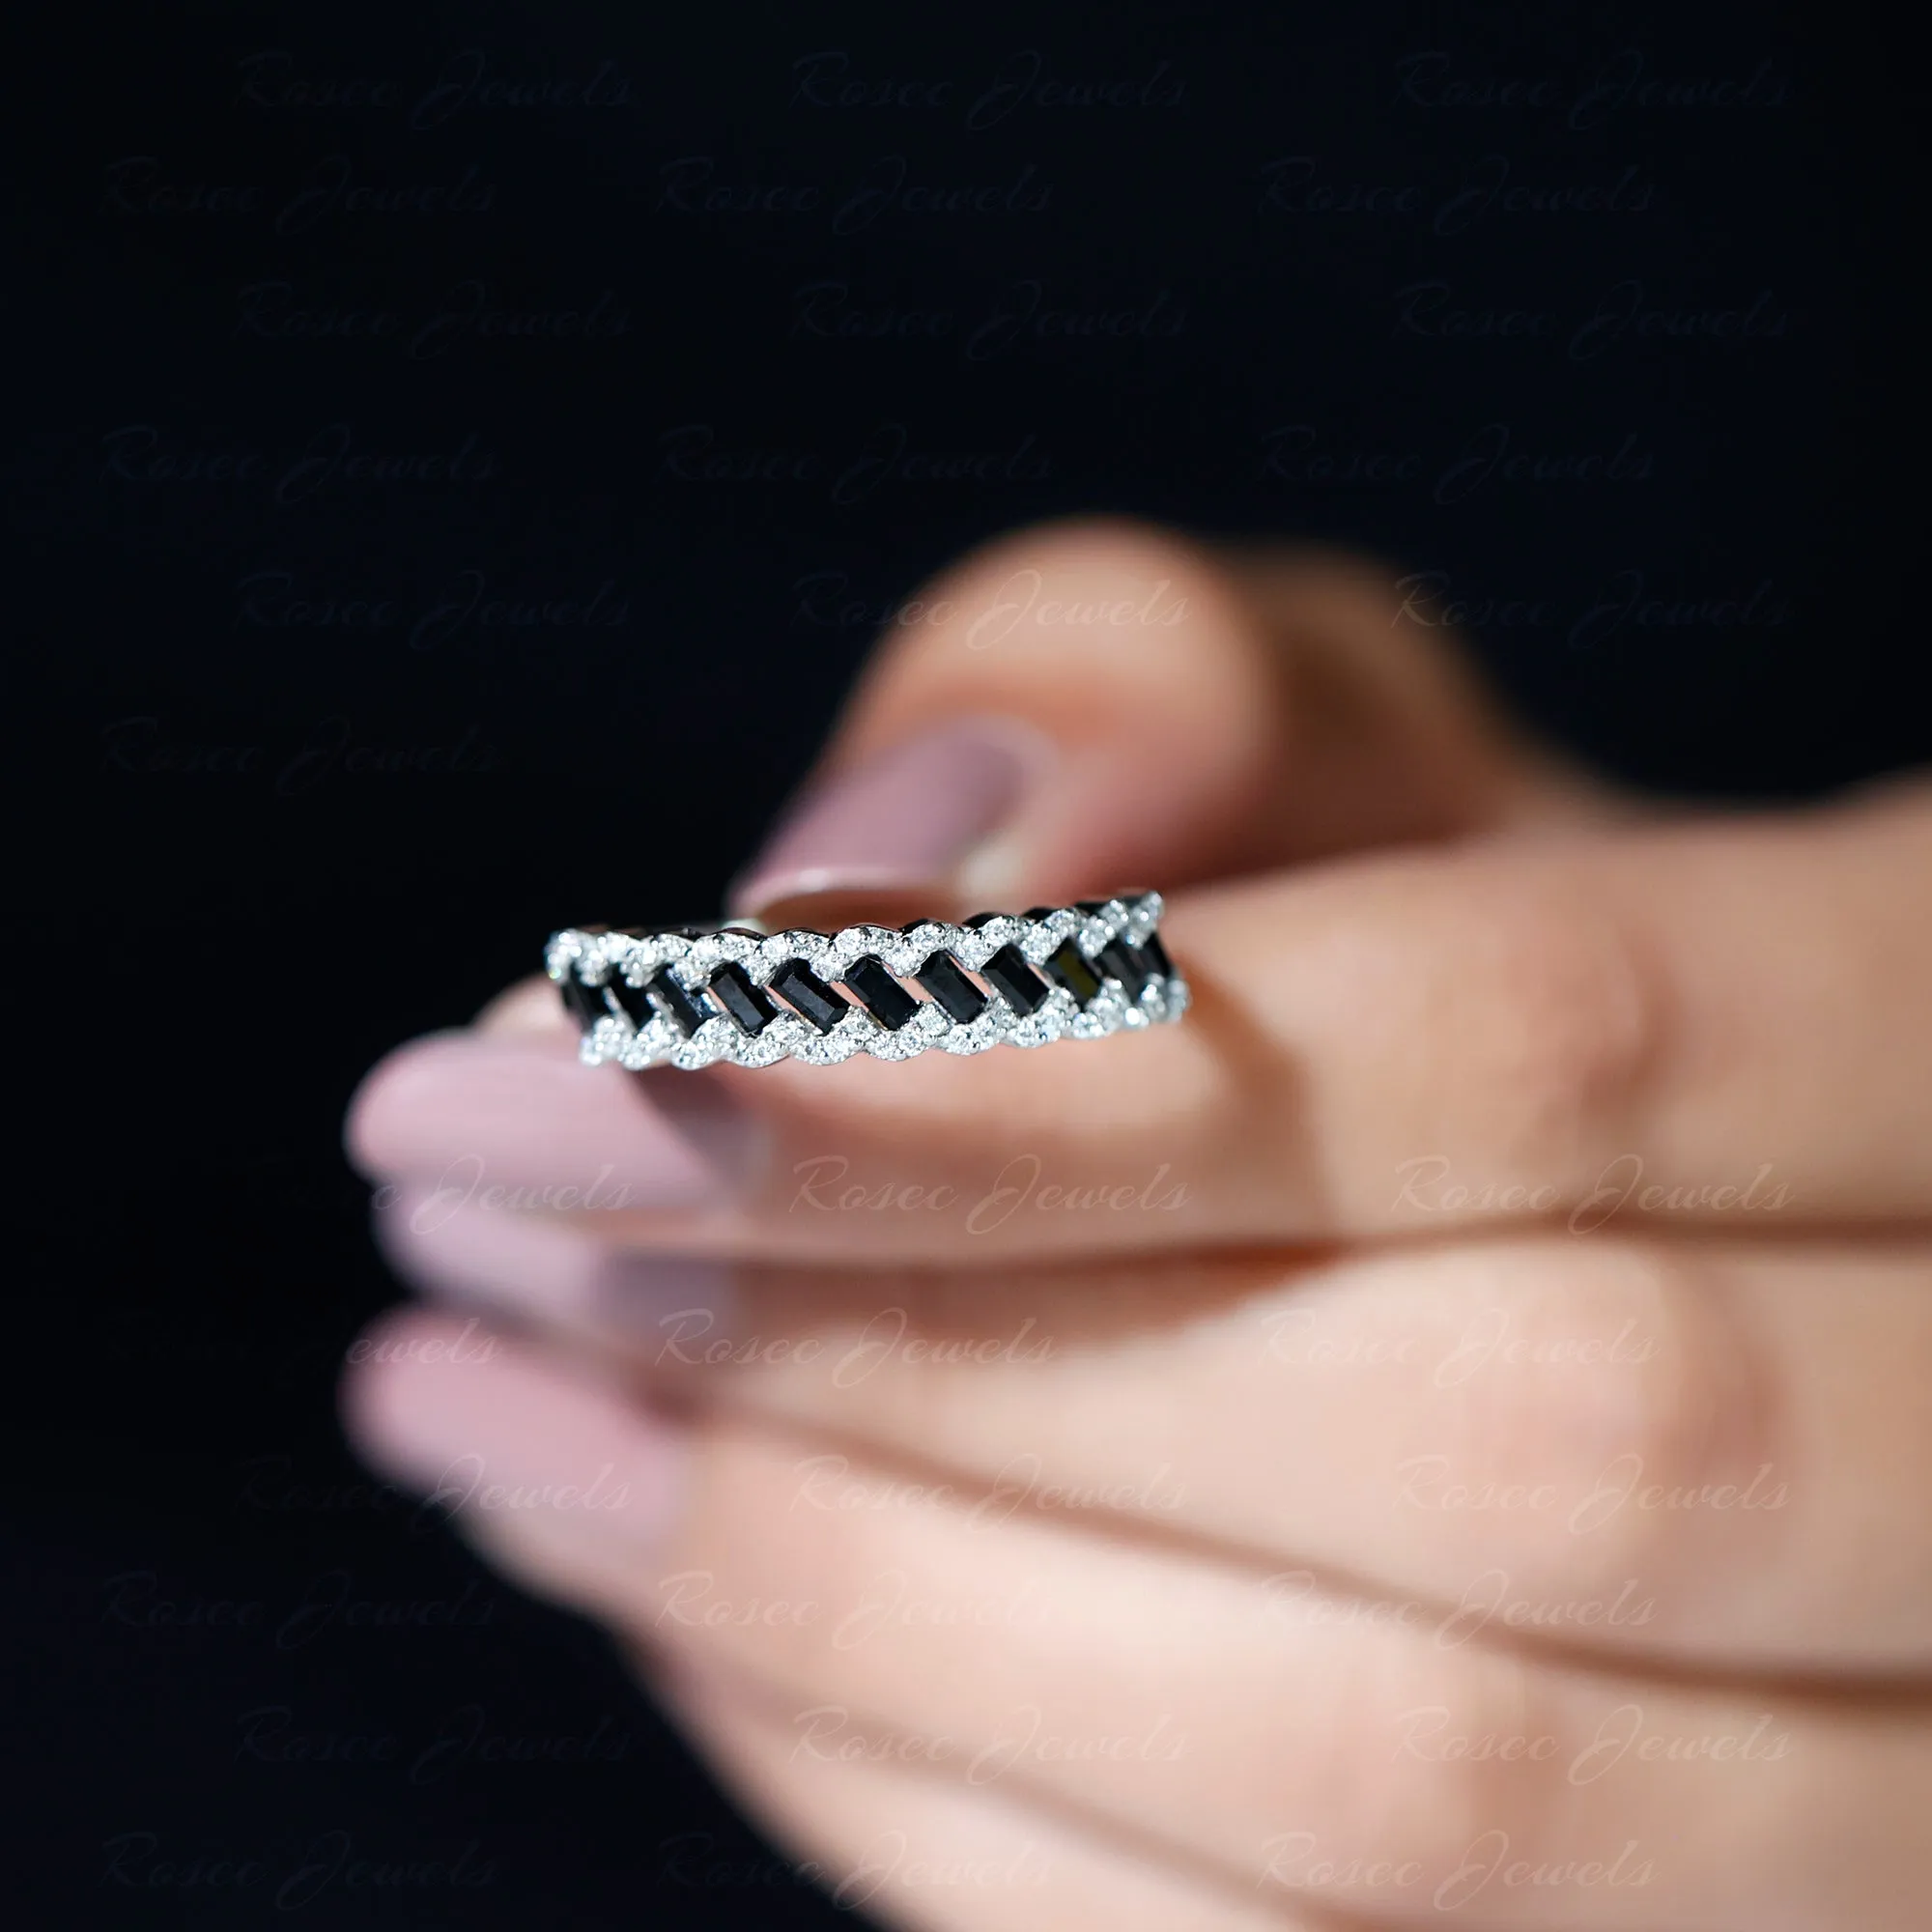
[1697, 1021]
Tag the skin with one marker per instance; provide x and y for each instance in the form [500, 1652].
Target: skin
[1452, 1440]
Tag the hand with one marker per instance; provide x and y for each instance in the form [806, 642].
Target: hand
[1443, 1430]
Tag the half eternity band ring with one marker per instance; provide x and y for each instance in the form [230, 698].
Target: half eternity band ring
[691, 996]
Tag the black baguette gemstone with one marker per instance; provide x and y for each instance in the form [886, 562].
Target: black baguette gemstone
[1119, 961]
[1155, 956]
[1071, 968]
[686, 1011]
[1010, 975]
[883, 997]
[584, 1004]
[808, 995]
[732, 988]
[943, 979]
[633, 999]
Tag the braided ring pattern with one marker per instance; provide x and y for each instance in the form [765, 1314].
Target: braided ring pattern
[694, 996]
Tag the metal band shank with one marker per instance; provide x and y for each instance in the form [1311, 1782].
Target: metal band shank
[694, 996]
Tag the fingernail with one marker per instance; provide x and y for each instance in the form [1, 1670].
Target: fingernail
[486, 1427]
[475, 1256]
[911, 815]
[529, 1006]
[517, 1121]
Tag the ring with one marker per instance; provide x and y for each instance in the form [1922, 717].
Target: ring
[691, 996]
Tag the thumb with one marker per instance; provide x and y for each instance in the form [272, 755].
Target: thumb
[1097, 706]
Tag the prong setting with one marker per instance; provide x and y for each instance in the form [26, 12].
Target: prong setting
[692, 998]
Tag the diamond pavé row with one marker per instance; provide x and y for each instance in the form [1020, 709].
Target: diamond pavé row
[692, 996]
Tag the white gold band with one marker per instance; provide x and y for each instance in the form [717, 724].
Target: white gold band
[694, 996]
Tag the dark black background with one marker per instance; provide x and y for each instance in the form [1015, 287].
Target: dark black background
[248, 808]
